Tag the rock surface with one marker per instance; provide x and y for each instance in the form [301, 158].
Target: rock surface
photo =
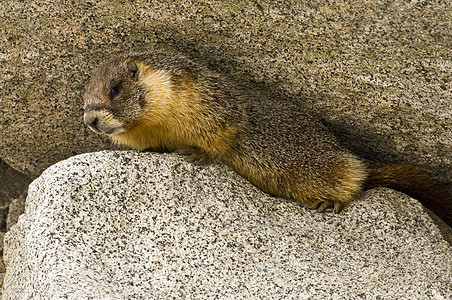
[13, 185]
[127, 225]
[13, 189]
[378, 72]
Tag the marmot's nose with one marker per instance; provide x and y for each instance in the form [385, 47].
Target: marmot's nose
[91, 119]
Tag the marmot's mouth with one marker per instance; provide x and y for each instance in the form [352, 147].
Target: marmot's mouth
[114, 131]
[94, 129]
[97, 124]
[107, 131]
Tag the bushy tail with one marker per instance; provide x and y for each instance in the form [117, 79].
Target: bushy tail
[414, 182]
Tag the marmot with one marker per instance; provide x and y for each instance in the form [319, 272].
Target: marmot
[164, 101]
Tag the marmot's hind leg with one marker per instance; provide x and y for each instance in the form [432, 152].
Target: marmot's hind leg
[324, 205]
[333, 189]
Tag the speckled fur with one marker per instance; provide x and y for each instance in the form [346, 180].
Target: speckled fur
[172, 103]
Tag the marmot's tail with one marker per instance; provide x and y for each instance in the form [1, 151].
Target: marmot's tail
[416, 183]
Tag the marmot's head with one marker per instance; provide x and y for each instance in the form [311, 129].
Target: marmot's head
[138, 98]
[114, 98]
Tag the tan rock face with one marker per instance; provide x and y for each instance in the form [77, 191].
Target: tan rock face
[379, 74]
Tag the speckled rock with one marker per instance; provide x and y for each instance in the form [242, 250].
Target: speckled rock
[13, 185]
[127, 225]
[379, 73]
[16, 208]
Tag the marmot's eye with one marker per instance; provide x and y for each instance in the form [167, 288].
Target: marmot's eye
[114, 91]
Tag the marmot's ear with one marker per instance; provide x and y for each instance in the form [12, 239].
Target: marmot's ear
[132, 70]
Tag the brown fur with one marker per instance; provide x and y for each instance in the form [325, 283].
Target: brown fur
[164, 101]
[416, 183]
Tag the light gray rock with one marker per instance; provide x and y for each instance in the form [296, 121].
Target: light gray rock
[127, 225]
[378, 72]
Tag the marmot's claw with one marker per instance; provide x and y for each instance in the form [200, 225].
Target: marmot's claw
[195, 155]
[327, 205]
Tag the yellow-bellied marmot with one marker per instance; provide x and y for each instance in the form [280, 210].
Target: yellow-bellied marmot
[165, 101]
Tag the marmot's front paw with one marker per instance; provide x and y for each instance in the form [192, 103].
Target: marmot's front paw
[195, 155]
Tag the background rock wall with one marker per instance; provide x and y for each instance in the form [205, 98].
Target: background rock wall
[378, 72]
